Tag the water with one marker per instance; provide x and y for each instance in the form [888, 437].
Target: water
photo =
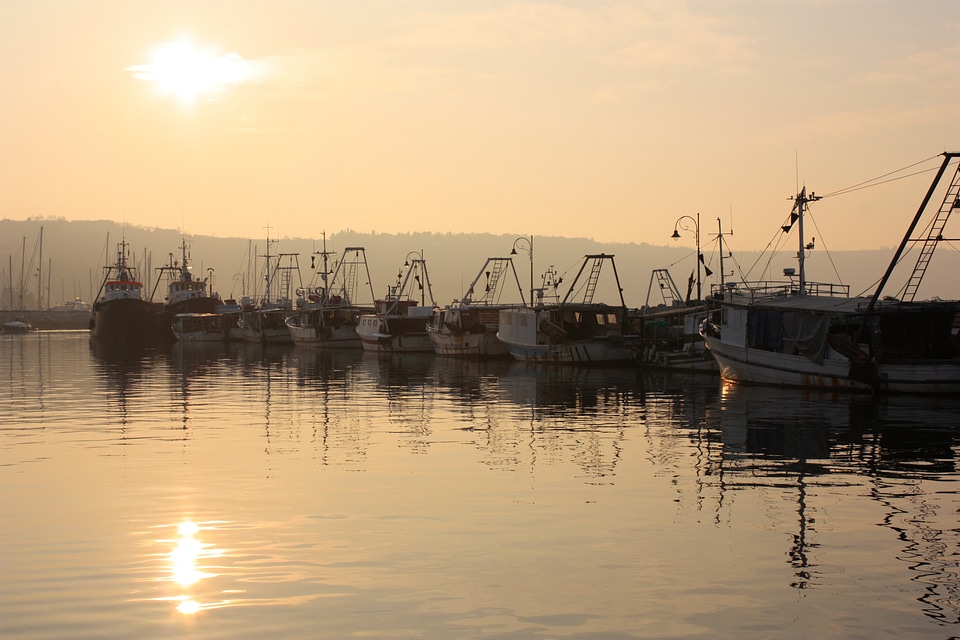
[234, 491]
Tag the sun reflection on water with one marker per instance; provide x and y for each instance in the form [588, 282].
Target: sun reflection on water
[185, 564]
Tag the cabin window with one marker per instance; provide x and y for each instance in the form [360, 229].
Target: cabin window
[612, 318]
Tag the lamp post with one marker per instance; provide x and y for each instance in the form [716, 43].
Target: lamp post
[696, 231]
[519, 242]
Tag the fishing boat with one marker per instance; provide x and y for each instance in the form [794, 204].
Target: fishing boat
[468, 327]
[120, 314]
[577, 329]
[198, 327]
[229, 312]
[265, 322]
[809, 334]
[185, 293]
[669, 332]
[328, 314]
[399, 322]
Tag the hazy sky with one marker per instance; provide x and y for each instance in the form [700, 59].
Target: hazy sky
[601, 119]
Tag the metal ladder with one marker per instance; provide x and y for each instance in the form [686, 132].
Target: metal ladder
[493, 278]
[593, 278]
[950, 202]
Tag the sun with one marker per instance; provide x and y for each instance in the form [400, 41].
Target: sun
[187, 72]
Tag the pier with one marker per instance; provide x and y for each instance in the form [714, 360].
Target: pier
[49, 320]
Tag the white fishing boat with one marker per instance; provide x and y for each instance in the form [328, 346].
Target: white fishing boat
[198, 327]
[810, 334]
[399, 323]
[468, 327]
[328, 314]
[573, 331]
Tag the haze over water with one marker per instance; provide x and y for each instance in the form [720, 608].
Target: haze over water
[235, 491]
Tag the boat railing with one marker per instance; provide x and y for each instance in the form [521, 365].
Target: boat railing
[763, 290]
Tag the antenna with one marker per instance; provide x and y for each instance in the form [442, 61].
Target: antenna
[796, 164]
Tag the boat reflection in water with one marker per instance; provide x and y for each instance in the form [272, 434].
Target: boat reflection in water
[248, 491]
[827, 452]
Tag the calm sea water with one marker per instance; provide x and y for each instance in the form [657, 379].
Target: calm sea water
[234, 491]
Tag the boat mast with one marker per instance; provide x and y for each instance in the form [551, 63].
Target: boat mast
[723, 273]
[799, 207]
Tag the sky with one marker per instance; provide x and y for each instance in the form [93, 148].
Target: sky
[596, 119]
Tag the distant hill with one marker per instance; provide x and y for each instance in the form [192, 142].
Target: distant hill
[74, 253]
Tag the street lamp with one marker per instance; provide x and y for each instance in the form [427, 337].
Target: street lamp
[696, 231]
[519, 242]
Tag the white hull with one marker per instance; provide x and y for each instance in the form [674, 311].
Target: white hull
[405, 343]
[478, 345]
[753, 366]
[343, 337]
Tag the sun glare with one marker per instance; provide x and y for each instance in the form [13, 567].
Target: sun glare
[188, 72]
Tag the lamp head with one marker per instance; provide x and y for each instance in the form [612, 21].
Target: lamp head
[676, 234]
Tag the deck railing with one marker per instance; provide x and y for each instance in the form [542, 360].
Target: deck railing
[773, 289]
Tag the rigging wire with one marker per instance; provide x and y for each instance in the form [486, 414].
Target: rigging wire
[873, 182]
[827, 251]
[779, 237]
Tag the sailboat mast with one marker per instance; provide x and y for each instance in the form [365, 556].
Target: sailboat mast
[40, 275]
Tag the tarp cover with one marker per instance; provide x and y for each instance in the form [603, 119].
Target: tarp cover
[807, 332]
[789, 332]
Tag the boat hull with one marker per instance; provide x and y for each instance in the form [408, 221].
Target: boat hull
[577, 352]
[406, 334]
[756, 366]
[342, 337]
[403, 343]
[468, 345]
[198, 327]
[265, 326]
[547, 336]
[753, 366]
[468, 331]
[129, 320]
[670, 339]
